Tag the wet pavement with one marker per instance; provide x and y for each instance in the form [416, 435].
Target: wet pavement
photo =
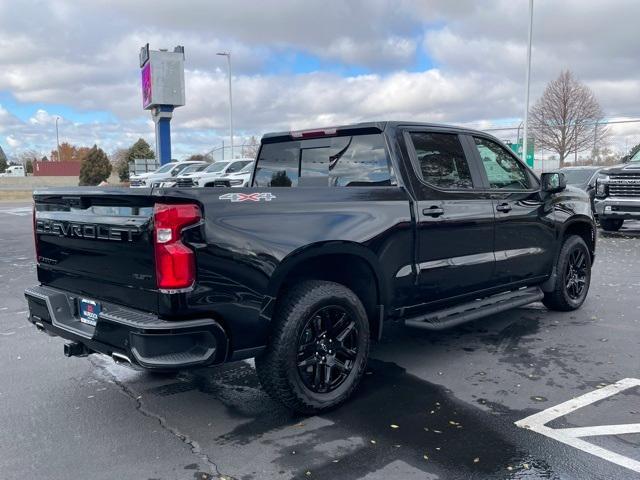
[432, 405]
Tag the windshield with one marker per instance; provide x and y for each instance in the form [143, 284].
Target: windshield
[195, 168]
[165, 168]
[247, 168]
[216, 167]
[636, 157]
[577, 176]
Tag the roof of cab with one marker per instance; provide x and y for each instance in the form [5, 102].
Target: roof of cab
[372, 126]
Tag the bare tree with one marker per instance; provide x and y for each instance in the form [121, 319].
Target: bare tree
[565, 119]
[250, 149]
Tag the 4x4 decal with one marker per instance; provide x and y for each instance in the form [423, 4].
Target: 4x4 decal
[251, 197]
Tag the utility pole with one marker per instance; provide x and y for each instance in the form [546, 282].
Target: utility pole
[228, 55]
[526, 102]
[58, 139]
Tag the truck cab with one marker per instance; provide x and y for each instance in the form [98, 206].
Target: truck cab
[14, 171]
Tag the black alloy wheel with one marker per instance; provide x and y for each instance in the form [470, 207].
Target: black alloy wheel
[327, 349]
[575, 276]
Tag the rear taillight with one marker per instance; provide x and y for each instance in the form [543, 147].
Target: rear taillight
[35, 234]
[175, 262]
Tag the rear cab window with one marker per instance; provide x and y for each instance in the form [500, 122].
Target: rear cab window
[341, 161]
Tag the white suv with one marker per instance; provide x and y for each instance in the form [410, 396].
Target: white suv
[168, 170]
[237, 179]
[213, 172]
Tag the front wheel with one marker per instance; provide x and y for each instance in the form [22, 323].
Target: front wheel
[611, 225]
[318, 349]
[574, 276]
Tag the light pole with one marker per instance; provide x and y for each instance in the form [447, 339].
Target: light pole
[58, 139]
[228, 55]
[526, 102]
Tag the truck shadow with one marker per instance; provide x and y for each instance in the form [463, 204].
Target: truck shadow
[630, 229]
[394, 416]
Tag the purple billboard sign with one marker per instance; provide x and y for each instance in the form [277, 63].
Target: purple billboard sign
[146, 85]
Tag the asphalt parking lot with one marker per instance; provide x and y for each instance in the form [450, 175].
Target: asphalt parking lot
[432, 405]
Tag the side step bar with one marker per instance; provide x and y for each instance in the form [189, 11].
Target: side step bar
[453, 316]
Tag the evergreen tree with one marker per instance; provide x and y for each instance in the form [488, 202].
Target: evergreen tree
[140, 149]
[95, 167]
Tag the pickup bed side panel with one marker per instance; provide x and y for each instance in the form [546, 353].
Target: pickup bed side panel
[249, 236]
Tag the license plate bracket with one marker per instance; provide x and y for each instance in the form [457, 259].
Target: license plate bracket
[89, 311]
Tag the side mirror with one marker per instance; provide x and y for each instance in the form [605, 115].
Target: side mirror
[553, 182]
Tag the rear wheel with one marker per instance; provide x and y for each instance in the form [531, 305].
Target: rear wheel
[574, 276]
[318, 349]
[611, 225]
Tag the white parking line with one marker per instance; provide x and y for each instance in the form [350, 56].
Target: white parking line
[18, 211]
[572, 436]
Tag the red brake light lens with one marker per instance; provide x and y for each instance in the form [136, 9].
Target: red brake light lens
[313, 133]
[175, 262]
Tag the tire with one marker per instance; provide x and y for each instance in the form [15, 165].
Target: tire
[288, 370]
[612, 224]
[572, 282]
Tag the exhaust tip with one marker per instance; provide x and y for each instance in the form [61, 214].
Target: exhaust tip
[121, 359]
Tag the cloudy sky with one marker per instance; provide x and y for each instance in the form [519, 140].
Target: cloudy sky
[302, 63]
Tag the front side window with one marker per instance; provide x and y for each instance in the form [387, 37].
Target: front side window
[441, 160]
[503, 170]
[347, 161]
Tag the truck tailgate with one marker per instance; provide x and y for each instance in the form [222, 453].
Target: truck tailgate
[97, 243]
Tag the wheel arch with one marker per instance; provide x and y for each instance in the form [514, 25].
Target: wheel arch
[348, 263]
[584, 227]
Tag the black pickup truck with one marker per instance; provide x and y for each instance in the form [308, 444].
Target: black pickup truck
[617, 195]
[342, 229]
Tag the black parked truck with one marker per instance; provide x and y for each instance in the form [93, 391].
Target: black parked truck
[342, 230]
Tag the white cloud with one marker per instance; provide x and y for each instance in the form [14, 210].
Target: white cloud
[478, 49]
[12, 141]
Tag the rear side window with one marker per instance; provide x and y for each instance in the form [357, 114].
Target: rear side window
[278, 165]
[351, 161]
[441, 160]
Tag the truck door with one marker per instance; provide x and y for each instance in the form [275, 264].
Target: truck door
[525, 232]
[455, 220]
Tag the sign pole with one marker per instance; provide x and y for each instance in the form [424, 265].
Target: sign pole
[162, 118]
[162, 90]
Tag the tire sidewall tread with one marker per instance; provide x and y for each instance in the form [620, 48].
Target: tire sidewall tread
[276, 368]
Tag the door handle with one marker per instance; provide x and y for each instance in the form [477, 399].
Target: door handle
[433, 211]
[504, 207]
